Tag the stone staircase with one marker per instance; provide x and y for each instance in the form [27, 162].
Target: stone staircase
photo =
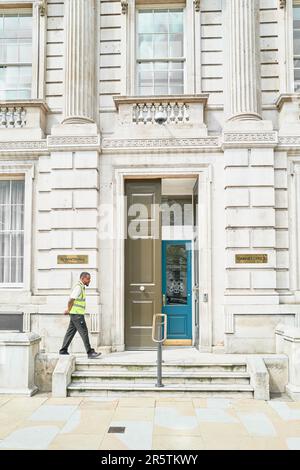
[113, 378]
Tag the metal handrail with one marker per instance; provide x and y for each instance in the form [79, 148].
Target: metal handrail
[159, 342]
[164, 323]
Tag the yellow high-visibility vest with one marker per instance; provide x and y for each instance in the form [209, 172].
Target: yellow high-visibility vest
[79, 303]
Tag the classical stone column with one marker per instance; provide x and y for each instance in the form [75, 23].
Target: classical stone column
[80, 58]
[251, 258]
[243, 70]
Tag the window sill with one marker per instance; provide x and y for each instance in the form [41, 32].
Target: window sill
[7, 288]
[14, 296]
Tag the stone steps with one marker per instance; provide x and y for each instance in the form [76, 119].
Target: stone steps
[199, 390]
[103, 377]
[98, 365]
[168, 377]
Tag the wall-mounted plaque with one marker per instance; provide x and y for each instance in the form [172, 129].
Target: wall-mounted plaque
[72, 259]
[251, 258]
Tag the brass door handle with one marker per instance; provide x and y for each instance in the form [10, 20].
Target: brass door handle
[164, 300]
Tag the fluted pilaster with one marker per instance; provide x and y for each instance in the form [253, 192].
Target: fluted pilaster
[243, 77]
[80, 58]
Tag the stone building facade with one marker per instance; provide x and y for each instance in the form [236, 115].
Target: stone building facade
[83, 86]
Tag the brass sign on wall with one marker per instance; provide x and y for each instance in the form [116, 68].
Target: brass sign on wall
[72, 259]
[251, 258]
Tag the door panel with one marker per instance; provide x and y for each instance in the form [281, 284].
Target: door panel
[176, 269]
[142, 262]
[141, 269]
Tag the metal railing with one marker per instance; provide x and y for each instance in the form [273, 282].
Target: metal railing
[159, 335]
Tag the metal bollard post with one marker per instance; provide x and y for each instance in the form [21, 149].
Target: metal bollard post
[159, 359]
[161, 338]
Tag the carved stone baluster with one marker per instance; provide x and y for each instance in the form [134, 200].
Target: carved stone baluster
[157, 109]
[18, 119]
[172, 112]
[10, 118]
[186, 116]
[23, 117]
[141, 113]
[145, 112]
[153, 111]
[164, 110]
[149, 115]
[3, 117]
[180, 112]
[134, 113]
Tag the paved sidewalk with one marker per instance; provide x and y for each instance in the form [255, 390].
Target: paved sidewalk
[42, 422]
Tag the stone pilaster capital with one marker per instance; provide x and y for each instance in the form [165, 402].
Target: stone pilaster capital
[197, 5]
[41, 5]
[124, 7]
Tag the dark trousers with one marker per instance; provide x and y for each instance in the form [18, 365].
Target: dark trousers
[77, 323]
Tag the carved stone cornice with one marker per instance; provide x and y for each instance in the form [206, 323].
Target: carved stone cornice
[197, 5]
[163, 99]
[20, 144]
[289, 141]
[21, 148]
[210, 143]
[124, 7]
[73, 142]
[250, 139]
[207, 142]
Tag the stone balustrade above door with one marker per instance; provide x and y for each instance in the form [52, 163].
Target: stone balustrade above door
[161, 116]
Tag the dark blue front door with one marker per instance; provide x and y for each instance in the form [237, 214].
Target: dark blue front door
[176, 288]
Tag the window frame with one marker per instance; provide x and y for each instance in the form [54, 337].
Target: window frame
[26, 173]
[183, 59]
[294, 3]
[37, 8]
[21, 64]
[15, 178]
[192, 70]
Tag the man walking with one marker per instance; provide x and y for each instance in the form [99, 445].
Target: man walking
[76, 309]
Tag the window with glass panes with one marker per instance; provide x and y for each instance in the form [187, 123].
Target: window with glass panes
[15, 55]
[160, 52]
[296, 29]
[11, 231]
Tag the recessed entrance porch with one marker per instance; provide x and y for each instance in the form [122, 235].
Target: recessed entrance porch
[160, 260]
[201, 291]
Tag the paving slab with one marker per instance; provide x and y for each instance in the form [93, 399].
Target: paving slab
[132, 423]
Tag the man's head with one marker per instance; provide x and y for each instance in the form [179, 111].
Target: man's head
[85, 278]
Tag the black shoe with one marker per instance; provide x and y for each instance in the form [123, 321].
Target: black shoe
[64, 353]
[93, 355]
